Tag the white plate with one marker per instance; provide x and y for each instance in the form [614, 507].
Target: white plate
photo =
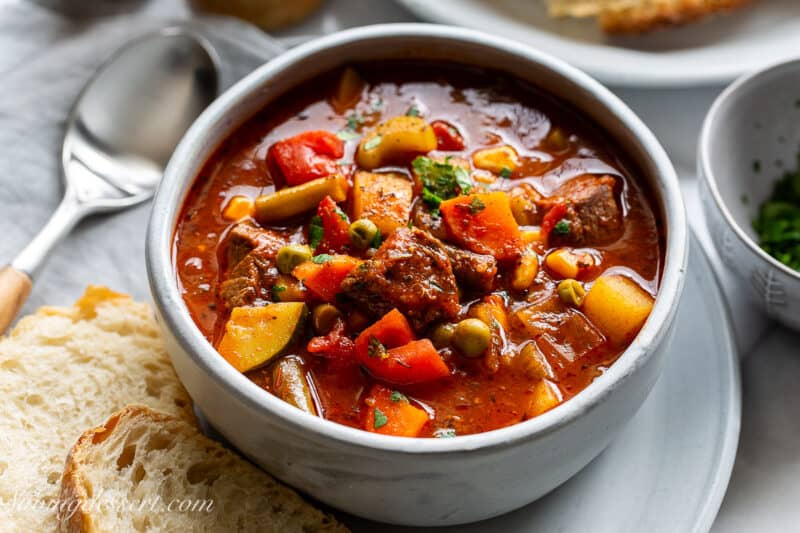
[716, 50]
[669, 469]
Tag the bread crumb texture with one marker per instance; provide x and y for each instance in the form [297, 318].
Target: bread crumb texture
[61, 371]
[173, 478]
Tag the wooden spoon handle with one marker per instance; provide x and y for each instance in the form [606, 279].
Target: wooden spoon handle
[15, 286]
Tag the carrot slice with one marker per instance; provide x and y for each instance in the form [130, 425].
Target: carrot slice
[390, 413]
[415, 362]
[484, 224]
[323, 275]
[390, 331]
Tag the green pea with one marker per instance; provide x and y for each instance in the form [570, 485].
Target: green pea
[571, 292]
[442, 335]
[471, 337]
[292, 255]
[363, 233]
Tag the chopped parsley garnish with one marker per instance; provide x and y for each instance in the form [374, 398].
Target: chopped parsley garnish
[561, 227]
[354, 121]
[376, 348]
[315, 231]
[440, 181]
[321, 258]
[398, 396]
[276, 292]
[376, 242]
[778, 221]
[505, 173]
[413, 111]
[341, 214]
[476, 206]
[380, 419]
[373, 143]
[445, 433]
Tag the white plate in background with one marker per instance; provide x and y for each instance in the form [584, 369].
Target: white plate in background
[712, 51]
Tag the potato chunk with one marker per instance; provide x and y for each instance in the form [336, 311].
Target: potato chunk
[383, 198]
[545, 396]
[618, 306]
[498, 160]
[397, 140]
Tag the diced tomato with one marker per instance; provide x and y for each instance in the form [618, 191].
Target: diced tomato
[335, 345]
[390, 331]
[415, 362]
[323, 275]
[335, 227]
[390, 413]
[552, 217]
[483, 223]
[447, 136]
[307, 156]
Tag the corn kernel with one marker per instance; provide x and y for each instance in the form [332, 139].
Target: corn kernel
[238, 207]
[499, 160]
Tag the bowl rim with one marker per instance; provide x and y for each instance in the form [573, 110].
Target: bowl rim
[705, 144]
[172, 309]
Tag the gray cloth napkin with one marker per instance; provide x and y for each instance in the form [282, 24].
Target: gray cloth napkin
[38, 90]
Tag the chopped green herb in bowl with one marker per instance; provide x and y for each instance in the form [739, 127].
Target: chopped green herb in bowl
[778, 221]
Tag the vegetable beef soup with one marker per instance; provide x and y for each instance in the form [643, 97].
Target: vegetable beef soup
[419, 249]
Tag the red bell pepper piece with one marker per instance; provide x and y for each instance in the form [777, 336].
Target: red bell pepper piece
[335, 227]
[447, 136]
[335, 345]
[552, 217]
[307, 156]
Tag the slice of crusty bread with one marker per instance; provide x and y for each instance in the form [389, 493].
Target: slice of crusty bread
[61, 371]
[637, 16]
[146, 471]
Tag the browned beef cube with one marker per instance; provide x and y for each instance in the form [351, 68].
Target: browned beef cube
[592, 212]
[250, 261]
[411, 271]
[471, 269]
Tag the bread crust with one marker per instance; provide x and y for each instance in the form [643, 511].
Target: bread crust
[640, 16]
[75, 514]
[640, 20]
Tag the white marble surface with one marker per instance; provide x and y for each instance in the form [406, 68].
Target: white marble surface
[766, 479]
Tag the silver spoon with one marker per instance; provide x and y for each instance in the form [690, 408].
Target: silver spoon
[120, 135]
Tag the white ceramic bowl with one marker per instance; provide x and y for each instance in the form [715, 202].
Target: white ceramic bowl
[750, 138]
[395, 479]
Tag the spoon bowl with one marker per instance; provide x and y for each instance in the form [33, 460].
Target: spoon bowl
[120, 135]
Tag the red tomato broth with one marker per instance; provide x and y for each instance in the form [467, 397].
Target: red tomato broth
[487, 109]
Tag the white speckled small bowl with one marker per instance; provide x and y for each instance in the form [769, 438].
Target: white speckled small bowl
[750, 138]
[398, 479]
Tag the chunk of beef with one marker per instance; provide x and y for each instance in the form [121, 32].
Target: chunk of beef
[471, 269]
[250, 269]
[422, 218]
[246, 237]
[250, 281]
[411, 271]
[592, 212]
